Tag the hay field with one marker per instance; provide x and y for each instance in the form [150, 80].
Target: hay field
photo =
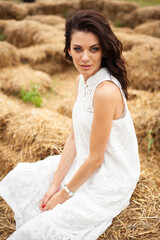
[31, 51]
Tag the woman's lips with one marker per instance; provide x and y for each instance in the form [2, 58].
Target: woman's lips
[86, 67]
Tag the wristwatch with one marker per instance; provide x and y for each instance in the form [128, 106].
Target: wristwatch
[68, 191]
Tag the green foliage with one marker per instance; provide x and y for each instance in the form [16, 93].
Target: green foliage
[1, 37]
[150, 139]
[118, 24]
[65, 12]
[32, 95]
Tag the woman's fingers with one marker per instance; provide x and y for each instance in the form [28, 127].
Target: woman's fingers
[42, 204]
[47, 197]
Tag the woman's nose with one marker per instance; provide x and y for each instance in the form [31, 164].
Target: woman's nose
[85, 56]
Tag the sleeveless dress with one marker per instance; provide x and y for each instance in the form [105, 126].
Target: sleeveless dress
[102, 197]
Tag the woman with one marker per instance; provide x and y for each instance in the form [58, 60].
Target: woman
[82, 190]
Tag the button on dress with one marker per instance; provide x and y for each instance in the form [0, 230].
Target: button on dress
[87, 214]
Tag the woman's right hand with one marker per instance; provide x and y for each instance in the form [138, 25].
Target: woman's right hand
[51, 191]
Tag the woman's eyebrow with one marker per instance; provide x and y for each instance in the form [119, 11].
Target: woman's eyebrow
[90, 46]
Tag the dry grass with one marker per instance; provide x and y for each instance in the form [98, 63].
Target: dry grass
[143, 67]
[47, 19]
[13, 79]
[141, 15]
[150, 28]
[116, 10]
[141, 219]
[6, 112]
[10, 10]
[9, 55]
[47, 57]
[37, 133]
[66, 111]
[28, 32]
[145, 111]
[131, 40]
[59, 8]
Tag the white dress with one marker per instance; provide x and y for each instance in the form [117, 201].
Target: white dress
[107, 192]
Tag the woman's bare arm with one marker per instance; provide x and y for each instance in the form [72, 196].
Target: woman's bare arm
[67, 158]
[105, 102]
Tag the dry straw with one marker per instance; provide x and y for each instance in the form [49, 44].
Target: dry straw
[145, 111]
[9, 55]
[116, 10]
[150, 28]
[141, 219]
[141, 15]
[47, 57]
[10, 10]
[143, 67]
[13, 79]
[28, 32]
[37, 133]
[64, 111]
[47, 19]
[8, 108]
[59, 8]
[9, 159]
[130, 40]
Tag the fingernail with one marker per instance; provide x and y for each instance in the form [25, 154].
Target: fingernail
[44, 206]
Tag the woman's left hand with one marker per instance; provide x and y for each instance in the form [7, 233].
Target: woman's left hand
[57, 198]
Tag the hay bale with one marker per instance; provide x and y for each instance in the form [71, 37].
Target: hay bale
[47, 19]
[141, 15]
[37, 133]
[28, 32]
[116, 10]
[58, 8]
[131, 40]
[91, 4]
[33, 8]
[145, 112]
[150, 28]
[125, 30]
[9, 55]
[7, 223]
[3, 25]
[9, 10]
[8, 108]
[143, 67]
[13, 79]
[140, 219]
[47, 57]
[9, 159]
[64, 111]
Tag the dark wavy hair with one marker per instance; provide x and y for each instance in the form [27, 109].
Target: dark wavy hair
[95, 22]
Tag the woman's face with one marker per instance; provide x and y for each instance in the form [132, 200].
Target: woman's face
[86, 53]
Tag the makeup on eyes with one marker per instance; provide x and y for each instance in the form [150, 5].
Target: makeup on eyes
[92, 48]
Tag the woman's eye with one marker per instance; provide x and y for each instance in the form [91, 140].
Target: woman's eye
[77, 49]
[95, 49]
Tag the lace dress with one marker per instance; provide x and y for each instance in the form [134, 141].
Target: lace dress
[107, 192]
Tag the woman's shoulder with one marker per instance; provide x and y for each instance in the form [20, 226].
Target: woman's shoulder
[107, 90]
